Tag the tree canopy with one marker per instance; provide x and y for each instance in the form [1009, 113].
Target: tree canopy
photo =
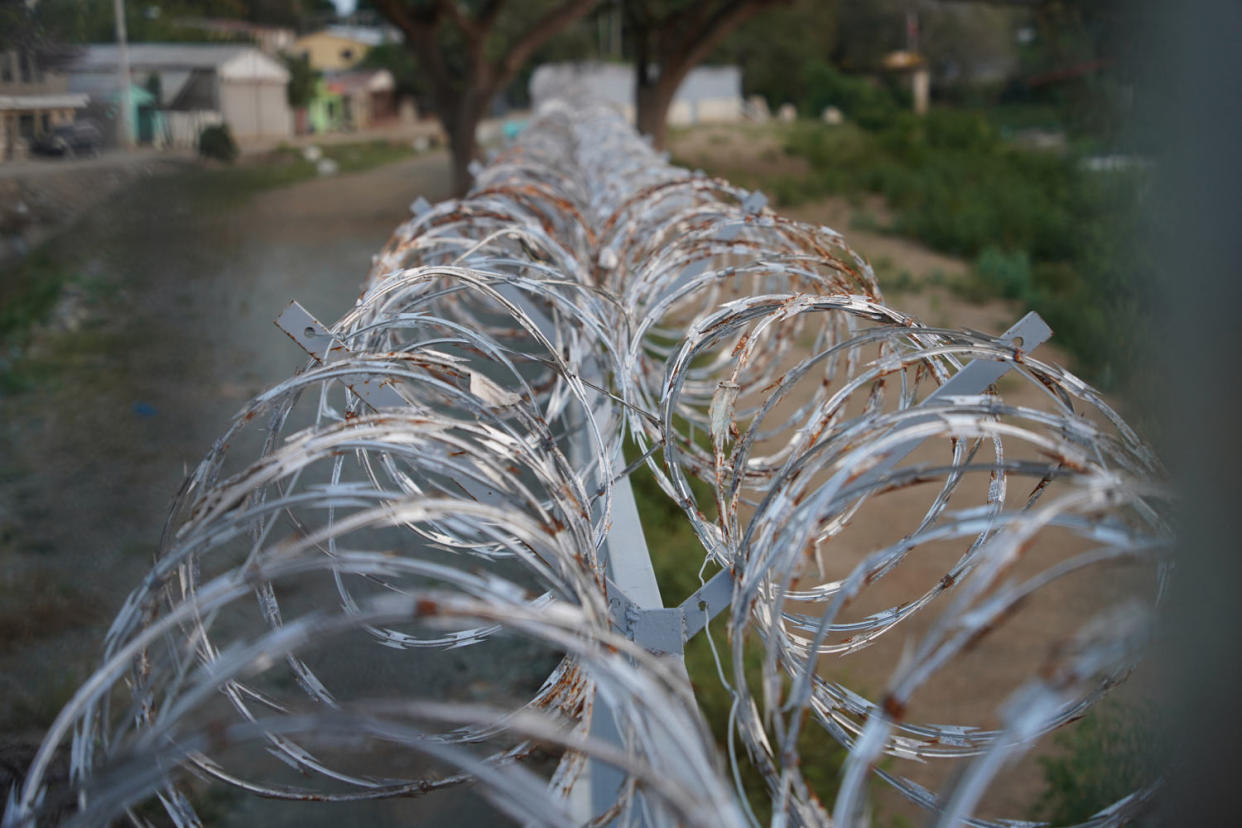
[668, 38]
[470, 51]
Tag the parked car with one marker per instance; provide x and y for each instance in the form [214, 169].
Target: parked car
[78, 138]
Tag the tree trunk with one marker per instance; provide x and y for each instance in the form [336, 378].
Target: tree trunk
[677, 53]
[651, 116]
[462, 147]
[462, 99]
[461, 123]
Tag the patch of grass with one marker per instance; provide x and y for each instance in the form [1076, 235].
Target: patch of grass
[214, 187]
[676, 555]
[367, 155]
[885, 270]
[902, 282]
[1070, 244]
[46, 608]
[867, 221]
[1109, 753]
[28, 292]
[35, 708]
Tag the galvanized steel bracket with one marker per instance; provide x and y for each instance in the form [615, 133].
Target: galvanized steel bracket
[662, 630]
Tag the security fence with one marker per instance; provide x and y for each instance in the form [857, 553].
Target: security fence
[359, 581]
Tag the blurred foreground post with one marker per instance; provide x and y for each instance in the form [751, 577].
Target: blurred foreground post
[1198, 202]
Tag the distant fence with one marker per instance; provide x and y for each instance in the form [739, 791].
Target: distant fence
[417, 563]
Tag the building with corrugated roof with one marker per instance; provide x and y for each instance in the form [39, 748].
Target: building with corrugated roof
[194, 85]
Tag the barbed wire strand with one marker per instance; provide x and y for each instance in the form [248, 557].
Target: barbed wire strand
[326, 564]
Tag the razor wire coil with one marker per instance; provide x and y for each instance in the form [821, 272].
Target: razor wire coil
[441, 475]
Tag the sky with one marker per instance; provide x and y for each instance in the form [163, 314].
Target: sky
[343, 6]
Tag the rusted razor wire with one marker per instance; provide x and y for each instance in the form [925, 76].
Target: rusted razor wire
[359, 581]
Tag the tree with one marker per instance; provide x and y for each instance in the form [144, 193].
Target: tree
[775, 50]
[302, 80]
[93, 21]
[471, 51]
[669, 39]
[23, 31]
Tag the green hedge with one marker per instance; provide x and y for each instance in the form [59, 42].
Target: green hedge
[216, 142]
[1071, 244]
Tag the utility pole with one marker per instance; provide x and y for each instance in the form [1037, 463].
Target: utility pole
[125, 121]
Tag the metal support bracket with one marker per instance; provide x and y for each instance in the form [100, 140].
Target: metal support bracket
[633, 595]
[654, 628]
[316, 339]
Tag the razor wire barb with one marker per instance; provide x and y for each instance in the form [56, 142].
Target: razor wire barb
[442, 476]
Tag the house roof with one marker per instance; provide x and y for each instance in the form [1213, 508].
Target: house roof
[370, 80]
[221, 24]
[24, 102]
[104, 86]
[366, 35]
[231, 61]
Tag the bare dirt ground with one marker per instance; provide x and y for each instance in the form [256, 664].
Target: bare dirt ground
[919, 281]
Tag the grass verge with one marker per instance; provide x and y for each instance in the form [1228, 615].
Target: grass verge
[31, 288]
[677, 556]
[225, 185]
[1073, 244]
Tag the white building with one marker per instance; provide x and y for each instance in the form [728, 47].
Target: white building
[708, 94]
[198, 84]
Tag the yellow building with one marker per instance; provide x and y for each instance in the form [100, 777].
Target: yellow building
[339, 47]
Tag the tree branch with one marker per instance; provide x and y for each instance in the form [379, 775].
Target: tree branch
[471, 28]
[488, 14]
[539, 33]
[698, 41]
[420, 33]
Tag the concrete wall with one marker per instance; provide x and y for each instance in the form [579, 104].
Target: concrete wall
[255, 109]
[708, 94]
[184, 127]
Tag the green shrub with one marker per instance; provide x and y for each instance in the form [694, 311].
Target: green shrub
[1010, 273]
[216, 142]
[869, 104]
[1108, 754]
[959, 130]
[1074, 246]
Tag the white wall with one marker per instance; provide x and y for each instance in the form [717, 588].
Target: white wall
[184, 127]
[254, 109]
[709, 93]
